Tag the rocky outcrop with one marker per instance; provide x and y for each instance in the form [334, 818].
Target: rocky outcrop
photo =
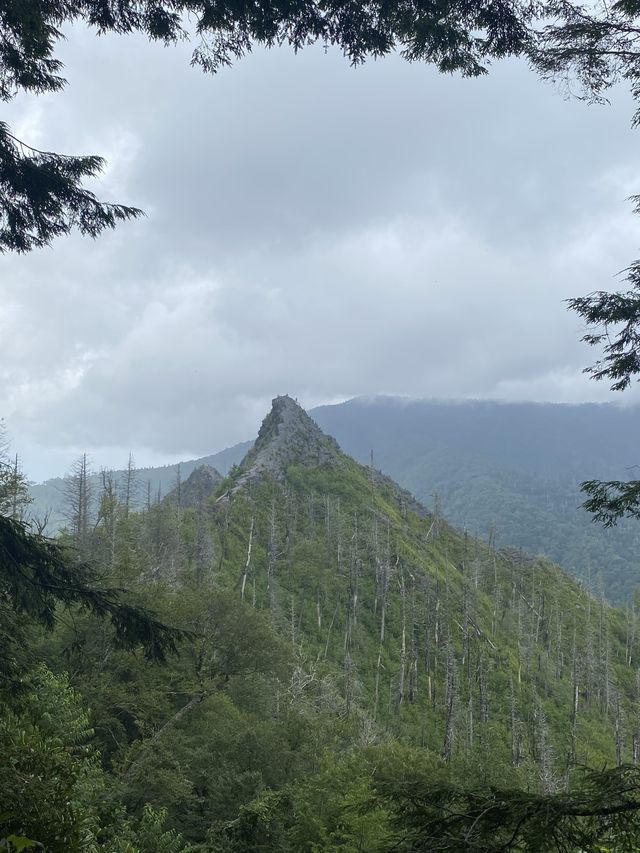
[199, 485]
[288, 436]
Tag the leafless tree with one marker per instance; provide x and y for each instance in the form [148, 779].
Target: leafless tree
[78, 499]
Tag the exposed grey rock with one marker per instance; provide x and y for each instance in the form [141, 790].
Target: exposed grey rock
[288, 436]
[199, 485]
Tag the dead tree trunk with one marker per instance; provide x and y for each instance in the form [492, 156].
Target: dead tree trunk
[403, 641]
[450, 709]
[271, 559]
[247, 565]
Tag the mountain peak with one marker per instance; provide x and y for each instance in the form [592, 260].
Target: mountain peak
[288, 436]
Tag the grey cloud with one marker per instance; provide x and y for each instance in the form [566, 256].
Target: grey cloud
[311, 228]
[415, 309]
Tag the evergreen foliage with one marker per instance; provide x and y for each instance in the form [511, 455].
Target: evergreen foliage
[42, 194]
[614, 323]
[599, 814]
[37, 574]
[506, 471]
[594, 44]
[42, 197]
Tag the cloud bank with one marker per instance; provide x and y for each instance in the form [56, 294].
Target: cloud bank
[312, 229]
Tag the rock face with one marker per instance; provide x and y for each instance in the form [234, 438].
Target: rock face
[199, 485]
[288, 436]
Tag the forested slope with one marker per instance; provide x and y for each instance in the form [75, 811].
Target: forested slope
[511, 468]
[341, 639]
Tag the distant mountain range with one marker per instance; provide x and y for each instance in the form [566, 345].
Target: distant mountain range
[512, 468]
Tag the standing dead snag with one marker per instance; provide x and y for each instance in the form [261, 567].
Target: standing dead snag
[78, 499]
[247, 564]
[450, 707]
[271, 558]
[386, 574]
[403, 640]
[413, 652]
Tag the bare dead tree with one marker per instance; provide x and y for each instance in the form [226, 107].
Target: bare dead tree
[108, 512]
[331, 624]
[559, 646]
[272, 557]
[515, 728]
[40, 523]
[437, 517]
[542, 749]
[588, 653]
[129, 485]
[412, 688]
[631, 620]
[247, 564]
[14, 489]
[78, 498]
[574, 697]
[386, 576]
[427, 610]
[377, 561]
[636, 720]
[403, 640]
[483, 698]
[618, 729]
[450, 705]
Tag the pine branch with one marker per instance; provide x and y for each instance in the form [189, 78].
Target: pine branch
[37, 575]
[42, 197]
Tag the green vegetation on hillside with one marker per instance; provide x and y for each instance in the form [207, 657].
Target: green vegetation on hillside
[352, 668]
[514, 468]
[511, 468]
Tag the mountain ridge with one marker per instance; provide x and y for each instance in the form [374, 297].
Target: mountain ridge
[287, 435]
[494, 467]
[408, 626]
[333, 625]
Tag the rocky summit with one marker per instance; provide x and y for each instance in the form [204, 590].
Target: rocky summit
[288, 436]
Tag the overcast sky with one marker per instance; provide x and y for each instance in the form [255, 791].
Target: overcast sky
[311, 229]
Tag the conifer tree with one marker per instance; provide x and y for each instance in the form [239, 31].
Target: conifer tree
[613, 323]
[601, 813]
